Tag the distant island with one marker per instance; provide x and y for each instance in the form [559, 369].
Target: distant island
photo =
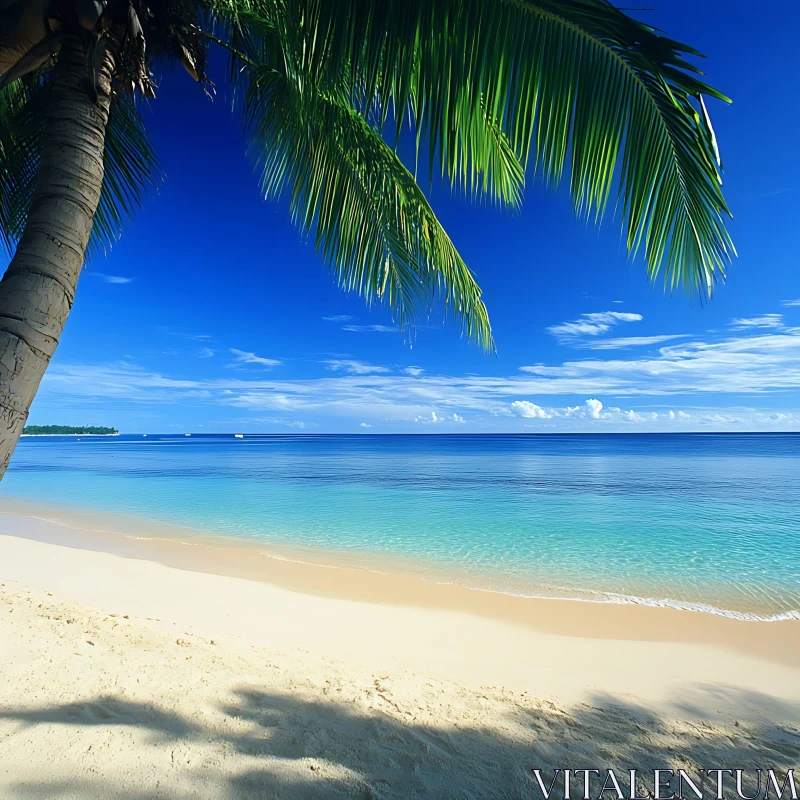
[67, 430]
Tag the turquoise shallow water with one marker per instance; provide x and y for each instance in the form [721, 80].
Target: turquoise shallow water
[700, 521]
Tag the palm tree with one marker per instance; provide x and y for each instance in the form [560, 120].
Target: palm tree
[492, 91]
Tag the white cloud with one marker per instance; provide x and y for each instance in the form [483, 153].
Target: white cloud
[617, 301]
[592, 413]
[590, 325]
[624, 342]
[117, 382]
[205, 352]
[338, 318]
[365, 425]
[524, 408]
[372, 328]
[590, 409]
[194, 336]
[746, 364]
[764, 321]
[111, 278]
[753, 363]
[630, 416]
[250, 422]
[791, 302]
[593, 408]
[269, 401]
[434, 418]
[352, 367]
[243, 357]
[758, 363]
[415, 372]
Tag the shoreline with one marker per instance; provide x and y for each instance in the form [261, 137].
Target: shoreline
[338, 577]
[114, 531]
[139, 667]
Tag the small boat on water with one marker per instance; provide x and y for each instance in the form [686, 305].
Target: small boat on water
[238, 436]
[187, 434]
[145, 435]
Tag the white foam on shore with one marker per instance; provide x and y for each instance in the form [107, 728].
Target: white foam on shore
[564, 593]
[654, 602]
[543, 593]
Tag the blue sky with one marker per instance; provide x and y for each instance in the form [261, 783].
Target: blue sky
[212, 314]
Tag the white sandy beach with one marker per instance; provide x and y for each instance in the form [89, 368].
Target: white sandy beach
[140, 673]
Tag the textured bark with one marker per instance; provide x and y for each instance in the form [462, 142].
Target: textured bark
[38, 289]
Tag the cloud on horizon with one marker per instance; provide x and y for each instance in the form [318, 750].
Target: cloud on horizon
[592, 409]
[759, 362]
[433, 418]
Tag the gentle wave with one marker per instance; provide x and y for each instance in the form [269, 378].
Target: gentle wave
[609, 598]
[586, 596]
[703, 523]
[654, 602]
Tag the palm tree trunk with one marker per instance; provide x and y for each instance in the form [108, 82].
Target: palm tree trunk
[38, 288]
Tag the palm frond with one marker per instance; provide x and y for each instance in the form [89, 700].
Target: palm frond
[19, 140]
[130, 170]
[129, 161]
[478, 154]
[577, 87]
[373, 223]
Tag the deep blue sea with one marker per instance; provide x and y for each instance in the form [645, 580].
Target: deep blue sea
[710, 522]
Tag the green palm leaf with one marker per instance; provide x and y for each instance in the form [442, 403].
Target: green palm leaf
[563, 88]
[19, 137]
[373, 223]
[129, 161]
[577, 87]
[130, 171]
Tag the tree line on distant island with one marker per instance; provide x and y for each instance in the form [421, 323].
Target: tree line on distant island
[68, 430]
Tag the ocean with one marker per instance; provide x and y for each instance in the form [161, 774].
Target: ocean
[702, 522]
